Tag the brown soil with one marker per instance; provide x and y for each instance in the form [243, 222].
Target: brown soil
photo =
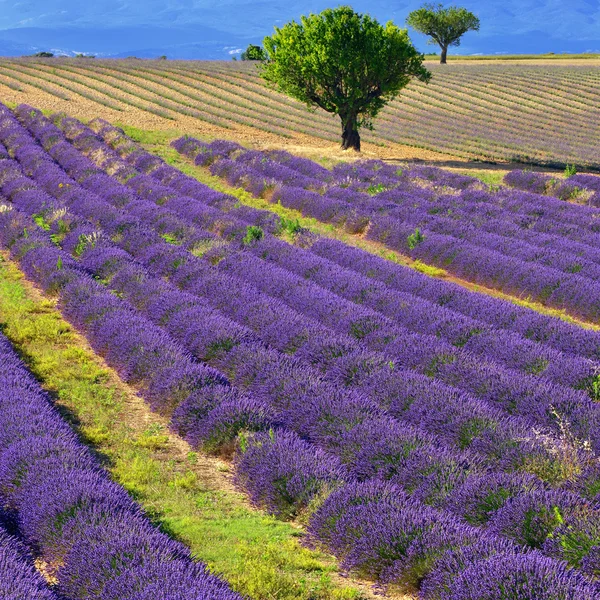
[567, 62]
[44, 569]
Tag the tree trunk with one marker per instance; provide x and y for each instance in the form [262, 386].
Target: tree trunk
[350, 135]
[444, 55]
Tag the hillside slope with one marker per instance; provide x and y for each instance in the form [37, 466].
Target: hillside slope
[544, 114]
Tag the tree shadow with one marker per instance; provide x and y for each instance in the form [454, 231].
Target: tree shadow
[489, 165]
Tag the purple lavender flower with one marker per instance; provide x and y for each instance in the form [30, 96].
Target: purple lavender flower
[18, 578]
[284, 474]
[520, 577]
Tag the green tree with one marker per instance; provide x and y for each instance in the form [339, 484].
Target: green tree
[343, 62]
[253, 52]
[444, 26]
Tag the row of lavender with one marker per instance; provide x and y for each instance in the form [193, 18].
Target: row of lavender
[536, 226]
[491, 238]
[579, 187]
[532, 565]
[94, 540]
[455, 226]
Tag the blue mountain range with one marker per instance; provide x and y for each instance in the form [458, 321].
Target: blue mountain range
[221, 28]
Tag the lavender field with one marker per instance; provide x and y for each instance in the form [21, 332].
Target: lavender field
[441, 442]
[514, 238]
[537, 113]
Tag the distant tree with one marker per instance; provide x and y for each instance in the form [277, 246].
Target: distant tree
[163, 57]
[44, 54]
[444, 26]
[343, 62]
[253, 52]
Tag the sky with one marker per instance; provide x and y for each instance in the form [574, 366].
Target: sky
[218, 29]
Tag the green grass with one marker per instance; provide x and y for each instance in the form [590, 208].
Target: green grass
[490, 177]
[259, 555]
[494, 177]
[152, 137]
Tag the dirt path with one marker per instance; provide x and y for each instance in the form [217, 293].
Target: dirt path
[557, 61]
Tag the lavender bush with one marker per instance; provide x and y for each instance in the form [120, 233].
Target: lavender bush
[18, 578]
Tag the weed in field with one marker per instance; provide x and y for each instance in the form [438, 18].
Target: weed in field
[289, 226]
[570, 170]
[415, 238]
[253, 234]
[153, 437]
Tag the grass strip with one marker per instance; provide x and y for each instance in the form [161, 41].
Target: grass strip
[187, 494]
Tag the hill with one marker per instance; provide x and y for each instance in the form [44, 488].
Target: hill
[538, 113]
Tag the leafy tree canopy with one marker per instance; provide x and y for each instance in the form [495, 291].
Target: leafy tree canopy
[343, 62]
[444, 26]
[253, 52]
